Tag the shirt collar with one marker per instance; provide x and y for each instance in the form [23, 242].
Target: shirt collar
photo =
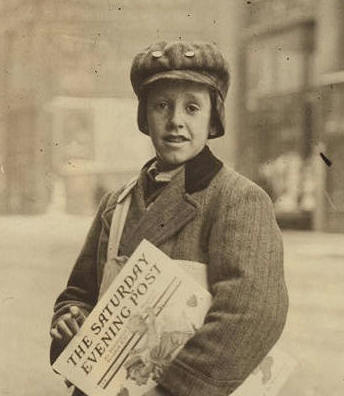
[162, 176]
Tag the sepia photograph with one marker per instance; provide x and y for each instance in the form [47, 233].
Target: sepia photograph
[172, 197]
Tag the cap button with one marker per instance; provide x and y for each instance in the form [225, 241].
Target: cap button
[189, 54]
[156, 54]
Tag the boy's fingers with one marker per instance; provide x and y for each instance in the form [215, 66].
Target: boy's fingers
[64, 329]
[72, 324]
[75, 311]
[77, 314]
[55, 334]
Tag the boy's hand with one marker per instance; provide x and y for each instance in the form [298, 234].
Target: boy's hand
[68, 325]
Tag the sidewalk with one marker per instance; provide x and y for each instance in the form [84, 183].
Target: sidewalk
[37, 256]
[314, 335]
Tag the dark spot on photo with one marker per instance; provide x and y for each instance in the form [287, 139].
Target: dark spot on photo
[327, 161]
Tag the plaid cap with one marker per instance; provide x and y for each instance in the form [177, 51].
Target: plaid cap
[195, 61]
[199, 62]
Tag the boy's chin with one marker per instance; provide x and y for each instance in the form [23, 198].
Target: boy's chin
[173, 161]
[168, 164]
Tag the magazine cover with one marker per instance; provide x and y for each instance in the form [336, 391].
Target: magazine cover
[147, 314]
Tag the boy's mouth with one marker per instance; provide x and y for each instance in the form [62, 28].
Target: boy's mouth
[176, 139]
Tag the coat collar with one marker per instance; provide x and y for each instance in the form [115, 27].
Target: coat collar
[199, 171]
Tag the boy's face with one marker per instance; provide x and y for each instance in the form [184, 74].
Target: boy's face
[178, 117]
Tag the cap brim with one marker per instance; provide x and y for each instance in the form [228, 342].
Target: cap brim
[186, 75]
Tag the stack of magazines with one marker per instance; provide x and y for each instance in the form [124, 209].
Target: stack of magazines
[141, 322]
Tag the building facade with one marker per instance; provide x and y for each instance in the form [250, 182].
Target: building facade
[291, 141]
[68, 115]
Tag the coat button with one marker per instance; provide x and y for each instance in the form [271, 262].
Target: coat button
[189, 54]
[156, 54]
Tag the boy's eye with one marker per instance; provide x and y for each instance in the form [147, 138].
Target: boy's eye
[192, 108]
[162, 105]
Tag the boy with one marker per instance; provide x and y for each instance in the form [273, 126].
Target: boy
[191, 206]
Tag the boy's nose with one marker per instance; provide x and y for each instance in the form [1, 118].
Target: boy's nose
[176, 118]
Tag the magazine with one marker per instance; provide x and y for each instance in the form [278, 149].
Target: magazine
[140, 323]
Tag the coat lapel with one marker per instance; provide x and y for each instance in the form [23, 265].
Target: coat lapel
[171, 211]
[174, 207]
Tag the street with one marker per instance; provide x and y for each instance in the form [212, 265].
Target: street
[38, 254]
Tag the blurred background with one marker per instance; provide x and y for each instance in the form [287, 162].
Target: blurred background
[68, 134]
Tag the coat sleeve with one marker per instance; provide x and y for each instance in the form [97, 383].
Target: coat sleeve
[250, 299]
[82, 286]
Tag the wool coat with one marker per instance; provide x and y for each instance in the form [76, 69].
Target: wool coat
[210, 214]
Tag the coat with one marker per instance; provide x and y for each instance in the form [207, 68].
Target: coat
[210, 214]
